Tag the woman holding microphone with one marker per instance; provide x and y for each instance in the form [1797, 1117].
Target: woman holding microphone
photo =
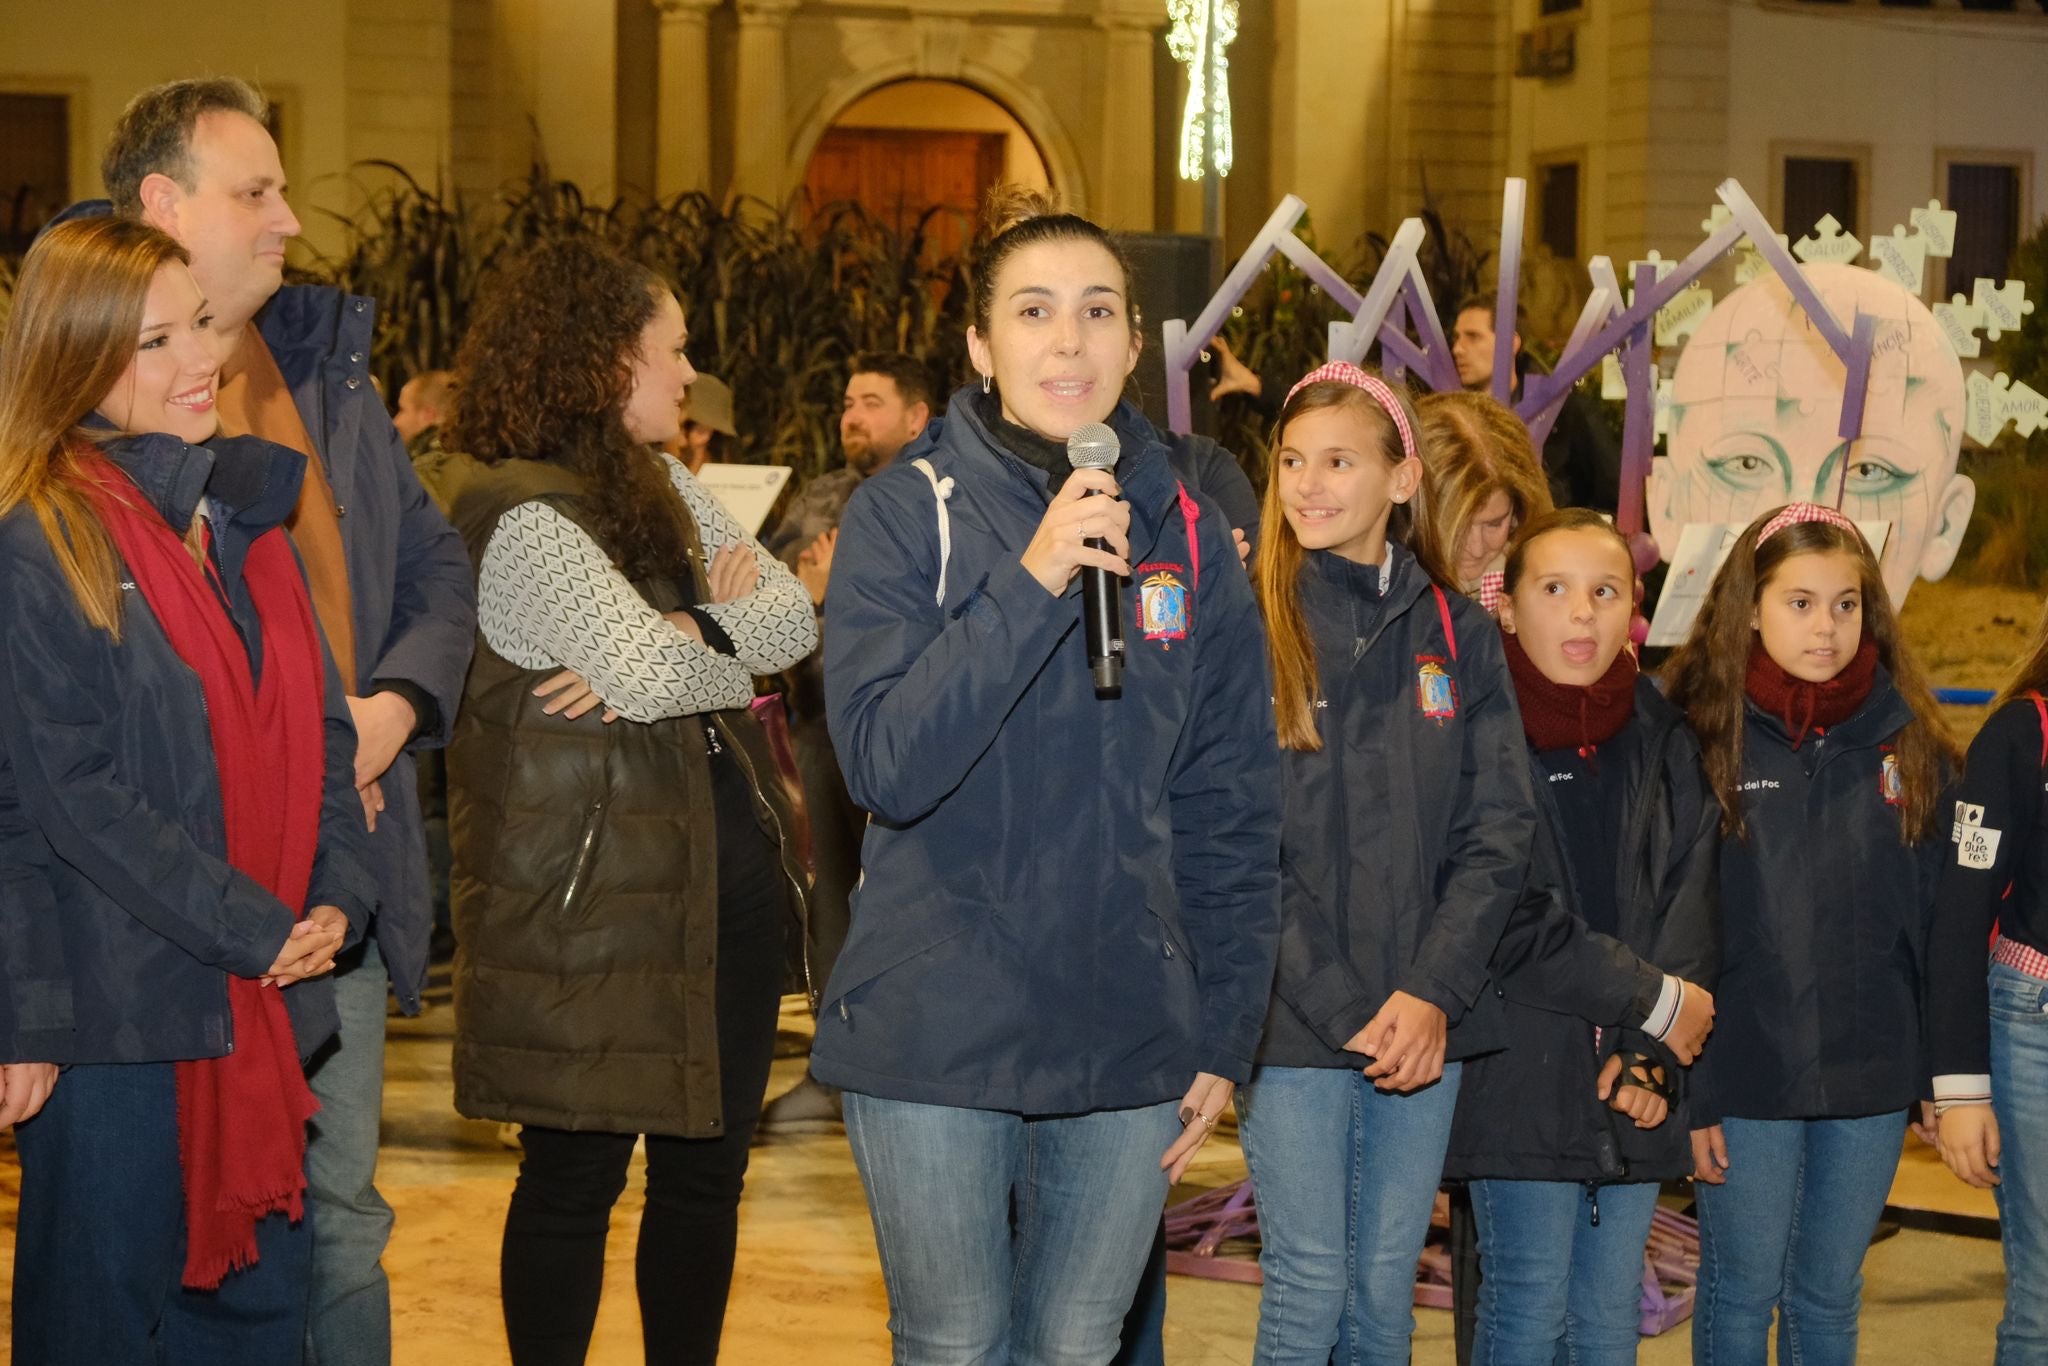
[1063, 945]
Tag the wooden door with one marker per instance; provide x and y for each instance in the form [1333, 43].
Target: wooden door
[896, 174]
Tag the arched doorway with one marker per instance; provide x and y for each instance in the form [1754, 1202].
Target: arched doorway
[914, 145]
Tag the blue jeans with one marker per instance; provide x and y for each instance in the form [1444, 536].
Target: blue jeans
[1145, 1324]
[965, 1288]
[1556, 1288]
[1345, 1176]
[350, 1318]
[100, 1248]
[1788, 1232]
[2019, 1098]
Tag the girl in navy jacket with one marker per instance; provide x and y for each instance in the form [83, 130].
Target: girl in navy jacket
[1567, 1132]
[1408, 818]
[1062, 944]
[1988, 1031]
[1832, 768]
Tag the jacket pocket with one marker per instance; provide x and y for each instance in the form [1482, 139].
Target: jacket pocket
[2016, 996]
[885, 935]
[576, 885]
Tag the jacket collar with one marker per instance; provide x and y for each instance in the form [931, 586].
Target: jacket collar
[1143, 471]
[254, 483]
[305, 325]
[964, 432]
[1659, 716]
[1348, 576]
[1883, 714]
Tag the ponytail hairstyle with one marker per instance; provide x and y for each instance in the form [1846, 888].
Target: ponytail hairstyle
[1706, 676]
[1276, 569]
[2032, 674]
[1014, 217]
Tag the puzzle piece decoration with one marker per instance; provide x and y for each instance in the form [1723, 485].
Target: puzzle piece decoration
[1937, 225]
[2002, 305]
[1827, 243]
[1749, 262]
[1663, 268]
[1998, 400]
[2019, 401]
[1613, 387]
[1900, 257]
[1959, 320]
[1683, 315]
[1981, 416]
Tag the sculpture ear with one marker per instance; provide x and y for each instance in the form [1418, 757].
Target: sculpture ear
[1952, 519]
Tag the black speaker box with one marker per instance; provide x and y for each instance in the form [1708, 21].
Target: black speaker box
[1173, 275]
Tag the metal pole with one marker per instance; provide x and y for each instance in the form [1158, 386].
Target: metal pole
[1212, 183]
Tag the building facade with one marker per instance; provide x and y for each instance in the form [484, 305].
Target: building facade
[1624, 114]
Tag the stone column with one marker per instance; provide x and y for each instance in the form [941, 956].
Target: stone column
[762, 117]
[682, 156]
[1128, 151]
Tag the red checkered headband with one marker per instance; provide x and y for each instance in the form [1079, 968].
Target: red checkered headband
[1344, 372]
[1794, 513]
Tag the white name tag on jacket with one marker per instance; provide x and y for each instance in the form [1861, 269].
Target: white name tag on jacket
[1976, 846]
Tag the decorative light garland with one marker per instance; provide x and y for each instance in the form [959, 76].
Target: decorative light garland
[1201, 30]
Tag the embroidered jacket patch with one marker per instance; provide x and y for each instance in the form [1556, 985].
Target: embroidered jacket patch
[1436, 692]
[1162, 603]
[1889, 784]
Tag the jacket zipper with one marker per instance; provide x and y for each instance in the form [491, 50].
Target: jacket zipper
[583, 850]
[781, 849]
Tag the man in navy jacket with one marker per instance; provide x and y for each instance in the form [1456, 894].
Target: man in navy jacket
[391, 586]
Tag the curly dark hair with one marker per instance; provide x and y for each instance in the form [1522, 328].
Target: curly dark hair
[544, 374]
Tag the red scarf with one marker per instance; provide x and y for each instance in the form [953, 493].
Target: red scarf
[1810, 707]
[241, 1117]
[1567, 715]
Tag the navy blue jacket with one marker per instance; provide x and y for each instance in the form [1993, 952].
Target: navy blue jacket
[1068, 904]
[120, 917]
[1530, 1112]
[1408, 831]
[410, 586]
[411, 591]
[1825, 913]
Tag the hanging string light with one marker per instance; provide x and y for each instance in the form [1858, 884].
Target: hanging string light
[1201, 31]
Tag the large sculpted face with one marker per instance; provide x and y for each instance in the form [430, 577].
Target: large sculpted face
[1756, 402]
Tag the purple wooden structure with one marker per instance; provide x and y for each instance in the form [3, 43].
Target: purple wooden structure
[1397, 303]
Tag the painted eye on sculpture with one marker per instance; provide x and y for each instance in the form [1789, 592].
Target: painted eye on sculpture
[1870, 478]
[1743, 470]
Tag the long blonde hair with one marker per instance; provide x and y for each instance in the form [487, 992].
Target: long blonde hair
[1276, 571]
[1477, 448]
[78, 308]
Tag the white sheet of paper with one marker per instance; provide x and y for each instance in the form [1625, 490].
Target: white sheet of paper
[748, 491]
[1702, 547]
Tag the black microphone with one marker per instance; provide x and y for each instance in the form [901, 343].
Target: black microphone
[1095, 447]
